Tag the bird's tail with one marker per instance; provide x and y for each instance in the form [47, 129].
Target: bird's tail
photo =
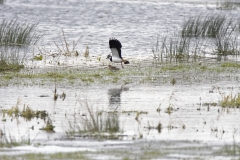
[125, 61]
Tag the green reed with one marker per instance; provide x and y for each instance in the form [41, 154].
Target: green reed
[228, 5]
[177, 48]
[221, 31]
[14, 33]
[204, 26]
[16, 39]
[94, 121]
[227, 44]
[230, 101]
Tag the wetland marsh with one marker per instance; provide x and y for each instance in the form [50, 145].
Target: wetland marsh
[177, 99]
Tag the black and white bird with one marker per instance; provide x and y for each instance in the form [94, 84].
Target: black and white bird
[116, 56]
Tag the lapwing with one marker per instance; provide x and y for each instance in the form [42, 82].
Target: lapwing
[116, 56]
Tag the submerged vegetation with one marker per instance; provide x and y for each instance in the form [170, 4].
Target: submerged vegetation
[27, 113]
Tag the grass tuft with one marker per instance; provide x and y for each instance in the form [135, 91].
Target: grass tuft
[16, 39]
[95, 121]
[204, 26]
[27, 113]
[230, 101]
[4, 66]
[220, 29]
[49, 127]
[14, 33]
[228, 5]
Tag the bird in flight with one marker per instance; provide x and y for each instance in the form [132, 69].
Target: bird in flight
[116, 56]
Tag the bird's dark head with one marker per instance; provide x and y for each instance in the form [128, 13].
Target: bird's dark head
[109, 57]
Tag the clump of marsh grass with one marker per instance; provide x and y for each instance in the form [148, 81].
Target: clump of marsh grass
[98, 121]
[27, 113]
[95, 121]
[4, 66]
[227, 44]
[178, 48]
[49, 127]
[221, 31]
[204, 26]
[228, 5]
[14, 33]
[174, 49]
[230, 101]
[16, 39]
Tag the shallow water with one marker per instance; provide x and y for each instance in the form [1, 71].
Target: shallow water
[135, 23]
[187, 102]
[212, 127]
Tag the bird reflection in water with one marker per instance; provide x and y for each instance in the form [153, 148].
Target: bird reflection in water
[115, 97]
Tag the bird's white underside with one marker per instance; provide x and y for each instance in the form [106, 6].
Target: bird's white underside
[115, 56]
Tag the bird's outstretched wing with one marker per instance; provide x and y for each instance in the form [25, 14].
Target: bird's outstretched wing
[114, 43]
